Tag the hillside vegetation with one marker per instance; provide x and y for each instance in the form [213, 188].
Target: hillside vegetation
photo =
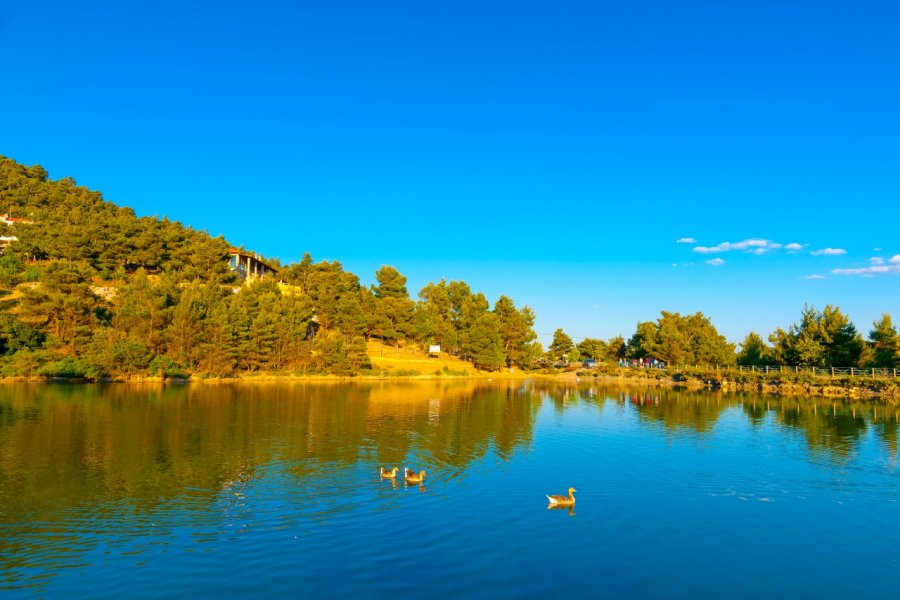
[89, 289]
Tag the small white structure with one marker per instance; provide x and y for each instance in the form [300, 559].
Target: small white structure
[8, 220]
[6, 240]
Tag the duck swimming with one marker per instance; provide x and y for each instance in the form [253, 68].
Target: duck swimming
[563, 500]
[389, 474]
[413, 477]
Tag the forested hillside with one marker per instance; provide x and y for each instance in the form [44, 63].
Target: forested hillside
[70, 222]
[92, 290]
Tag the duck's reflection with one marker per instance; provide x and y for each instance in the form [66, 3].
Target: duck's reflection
[569, 509]
[421, 486]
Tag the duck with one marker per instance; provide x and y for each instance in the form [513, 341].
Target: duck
[563, 500]
[389, 474]
[412, 477]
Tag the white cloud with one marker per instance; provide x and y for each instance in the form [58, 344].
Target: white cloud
[754, 245]
[895, 260]
[686, 240]
[892, 269]
[815, 277]
[716, 262]
[758, 246]
[876, 260]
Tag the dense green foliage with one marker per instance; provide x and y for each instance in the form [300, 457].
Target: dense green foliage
[94, 290]
[561, 348]
[70, 222]
[754, 351]
[822, 339]
[89, 289]
[675, 339]
[885, 343]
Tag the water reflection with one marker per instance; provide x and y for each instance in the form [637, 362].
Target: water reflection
[62, 446]
[831, 426]
[74, 459]
[676, 410]
[103, 452]
[569, 509]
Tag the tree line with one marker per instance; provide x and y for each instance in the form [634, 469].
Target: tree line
[822, 338]
[87, 288]
[825, 338]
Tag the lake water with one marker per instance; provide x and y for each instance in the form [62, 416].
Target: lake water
[273, 490]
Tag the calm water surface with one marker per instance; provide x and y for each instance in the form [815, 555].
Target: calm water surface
[272, 490]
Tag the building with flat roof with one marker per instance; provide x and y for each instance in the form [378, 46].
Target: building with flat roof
[249, 265]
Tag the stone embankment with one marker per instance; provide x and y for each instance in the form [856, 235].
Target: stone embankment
[887, 388]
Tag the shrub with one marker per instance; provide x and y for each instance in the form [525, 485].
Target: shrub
[71, 368]
[450, 372]
[406, 373]
[32, 273]
[165, 367]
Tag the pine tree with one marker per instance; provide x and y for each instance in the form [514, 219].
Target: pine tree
[391, 283]
[643, 342]
[560, 347]
[331, 353]
[292, 327]
[516, 331]
[486, 346]
[357, 354]
[885, 343]
[66, 303]
[186, 324]
[821, 339]
[592, 348]
[754, 351]
[217, 351]
[261, 343]
[434, 317]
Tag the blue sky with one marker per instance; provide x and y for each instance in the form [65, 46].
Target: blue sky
[554, 152]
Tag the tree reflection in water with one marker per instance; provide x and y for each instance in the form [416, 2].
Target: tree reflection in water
[119, 452]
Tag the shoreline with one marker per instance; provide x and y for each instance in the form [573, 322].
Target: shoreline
[774, 387]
